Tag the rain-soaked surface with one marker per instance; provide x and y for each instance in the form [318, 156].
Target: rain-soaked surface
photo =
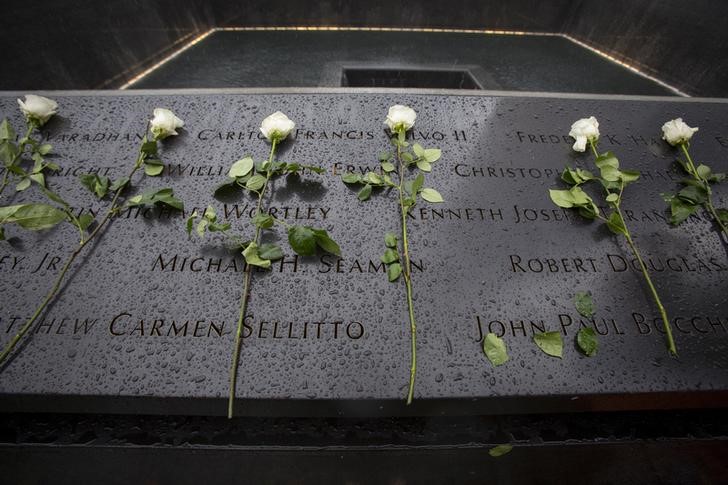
[150, 314]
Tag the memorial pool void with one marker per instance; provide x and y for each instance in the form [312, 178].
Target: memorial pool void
[235, 58]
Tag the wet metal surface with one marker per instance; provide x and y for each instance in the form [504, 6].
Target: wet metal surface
[331, 337]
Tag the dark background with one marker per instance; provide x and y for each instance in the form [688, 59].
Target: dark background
[86, 44]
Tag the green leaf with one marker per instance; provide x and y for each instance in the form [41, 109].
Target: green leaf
[570, 176]
[38, 165]
[722, 215]
[408, 186]
[210, 213]
[432, 155]
[209, 222]
[390, 256]
[241, 168]
[324, 241]
[580, 197]
[270, 251]
[6, 131]
[607, 160]
[216, 227]
[7, 212]
[393, 271]
[390, 240]
[586, 339]
[388, 167]
[500, 450]
[584, 304]
[302, 240]
[202, 227]
[45, 149]
[264, 221]
[166, 197]
[495, 349]
[424, 165]
[407, 157]
[693, 193]
[153, 167]
[589, 211]
[611, 174]
[191, 221]
[562, 198]
[351, 178]
[22, 185]
[34, 217]
[255, 183]
[681, 210]
[315, 169]
[102, 186]
[55, 197]
[616, 224]
[612, 197]
[373, 178]
[88, 180]
[7, 152]
[704, 171]
[409, 202]
[550, 343]
[384, 156]
[419, 151]
[576, 176]
[85, 220]
[281, 167]
[431, 195]
[417, 184]
[610, 186]
[119, 183]
[252, 257]
[629, 176]
[158, 197]
[365, 192]
[99, 186]
[149, 147]
[38, 178]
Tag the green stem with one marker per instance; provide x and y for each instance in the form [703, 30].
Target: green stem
[21, 149]
[708, 204]
[59, 279]
[246, 292]
[643, 267]
[5, 181]
[655, 296]
[594, 148]
[407, 272]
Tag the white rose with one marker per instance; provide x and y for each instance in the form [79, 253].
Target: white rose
[38, 109]
[400, 118]
[677, 131]
[583, 130]
[277, 126]
[164, 123]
